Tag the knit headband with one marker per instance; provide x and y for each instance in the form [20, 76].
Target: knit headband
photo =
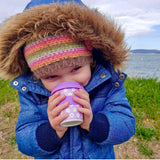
[55, 52]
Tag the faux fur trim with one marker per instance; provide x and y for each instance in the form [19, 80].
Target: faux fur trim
[38, 22]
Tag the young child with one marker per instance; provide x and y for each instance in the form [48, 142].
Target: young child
[51, 43]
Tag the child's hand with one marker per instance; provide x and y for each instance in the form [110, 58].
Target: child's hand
[53, 113]
[83, 99]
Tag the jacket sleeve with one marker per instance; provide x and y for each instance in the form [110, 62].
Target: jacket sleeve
[31, 128]
[119, 123]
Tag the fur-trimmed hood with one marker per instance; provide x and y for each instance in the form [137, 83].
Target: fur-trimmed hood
[40, 21]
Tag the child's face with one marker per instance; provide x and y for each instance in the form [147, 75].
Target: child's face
[80, 74]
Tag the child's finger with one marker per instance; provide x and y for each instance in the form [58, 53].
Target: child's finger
[55, 95]
[59, 108]
[82, 102]
[57, 100]
[52, 104]
[84, 111]
[60, 118]
[55, 123]
[82, 94]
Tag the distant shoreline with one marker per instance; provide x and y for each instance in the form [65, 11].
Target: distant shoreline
[145, 51]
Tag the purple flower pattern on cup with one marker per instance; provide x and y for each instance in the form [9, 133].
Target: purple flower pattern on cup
[75, 117]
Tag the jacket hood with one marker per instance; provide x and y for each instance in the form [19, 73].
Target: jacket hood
[39, 21]
[40, 2]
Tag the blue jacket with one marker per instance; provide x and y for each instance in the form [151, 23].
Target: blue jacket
[113, 122]
[108, 100]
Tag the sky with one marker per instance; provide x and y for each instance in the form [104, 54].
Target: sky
[139, 19]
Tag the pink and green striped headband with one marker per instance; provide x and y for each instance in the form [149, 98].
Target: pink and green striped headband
[55, 52]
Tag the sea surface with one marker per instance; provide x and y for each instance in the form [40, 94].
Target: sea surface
[143, 65]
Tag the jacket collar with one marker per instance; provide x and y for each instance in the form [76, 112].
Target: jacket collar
[26, 82]
[100, 75]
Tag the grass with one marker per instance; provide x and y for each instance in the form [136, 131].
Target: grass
[12, 140]
[145, 133]
[143, 95]
[7, 93]
[144, 149]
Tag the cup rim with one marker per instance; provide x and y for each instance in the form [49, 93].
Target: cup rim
[67, 84]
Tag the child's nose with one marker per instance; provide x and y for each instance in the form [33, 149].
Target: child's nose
[67, 78]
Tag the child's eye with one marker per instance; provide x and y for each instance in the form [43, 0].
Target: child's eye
[76, 68]
[51, 77]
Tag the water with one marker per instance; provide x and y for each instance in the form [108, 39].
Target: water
[144, 66]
